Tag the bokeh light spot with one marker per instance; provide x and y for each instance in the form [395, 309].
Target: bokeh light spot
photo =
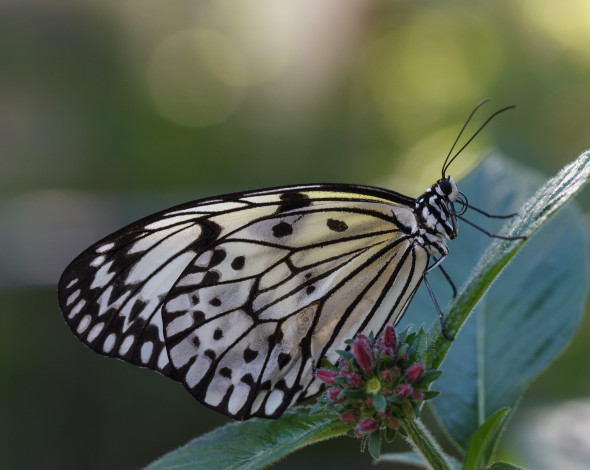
[566, 23]
[442, 57]
[195, 78]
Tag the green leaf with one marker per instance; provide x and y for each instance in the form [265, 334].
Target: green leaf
[420, 344]
[340, 381]
[416, 408]
[483, 442]
[430, 394]
[389, 434]
[504, 466]
[354, 393]
[401, 336]
[375, 444]
[346, 355]
[529, 314]
[252, 444]
[379, 402]
[402, 349]
[430, 376]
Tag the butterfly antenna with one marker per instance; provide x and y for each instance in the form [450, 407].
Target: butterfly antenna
[476, 132]
[479, 105]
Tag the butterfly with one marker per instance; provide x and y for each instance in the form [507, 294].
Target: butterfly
[240, 296]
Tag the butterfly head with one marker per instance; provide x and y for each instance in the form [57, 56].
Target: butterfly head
[435, 208]
[446, 188]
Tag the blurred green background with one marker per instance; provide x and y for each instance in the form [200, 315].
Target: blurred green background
[111, 110]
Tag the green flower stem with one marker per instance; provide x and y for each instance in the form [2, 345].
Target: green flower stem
[424, 444]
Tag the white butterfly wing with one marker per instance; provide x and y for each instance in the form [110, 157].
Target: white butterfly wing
[240, 297]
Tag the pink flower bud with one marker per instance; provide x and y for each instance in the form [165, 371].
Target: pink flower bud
[417, 395]
[369, 402]
[355, 380]
[387, 375]
[349, 416]
[385, 413]
[403, 359]
[333, 394]
[343, 367]
[389, 337]
[326, 375]
[393, 423]
[388, 352]
[414, 373]
[403, 390]
[364, 339]
[367, 426]
[361, 349]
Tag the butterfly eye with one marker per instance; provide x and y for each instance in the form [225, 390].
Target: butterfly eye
[445, 186]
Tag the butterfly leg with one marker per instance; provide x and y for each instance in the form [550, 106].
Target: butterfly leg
[448, 278]
[491, 235]
[437, 264]
[493, 216]
[438, 310]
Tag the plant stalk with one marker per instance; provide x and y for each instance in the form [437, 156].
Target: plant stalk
[424, 444]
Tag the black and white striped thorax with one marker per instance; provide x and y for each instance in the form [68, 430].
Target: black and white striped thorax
[434, 217]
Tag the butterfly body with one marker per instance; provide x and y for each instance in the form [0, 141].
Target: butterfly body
[239, 297]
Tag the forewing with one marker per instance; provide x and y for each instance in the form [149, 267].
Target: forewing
[251, 316]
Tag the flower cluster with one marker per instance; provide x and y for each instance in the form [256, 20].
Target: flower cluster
[378, 383]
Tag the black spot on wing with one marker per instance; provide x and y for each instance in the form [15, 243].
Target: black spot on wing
[283, 360]
[196, 342]
[210, 278]
[217, 257]
[292, 201]
[282, 229]
[337, 225]
[215, 302]
[309, 289]
[218, 334]
[248, 379]
[225, 372]
[282, 385]
[238, 263]
[250, 354]
[198, 317]
[275, 337]
[266, 385]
